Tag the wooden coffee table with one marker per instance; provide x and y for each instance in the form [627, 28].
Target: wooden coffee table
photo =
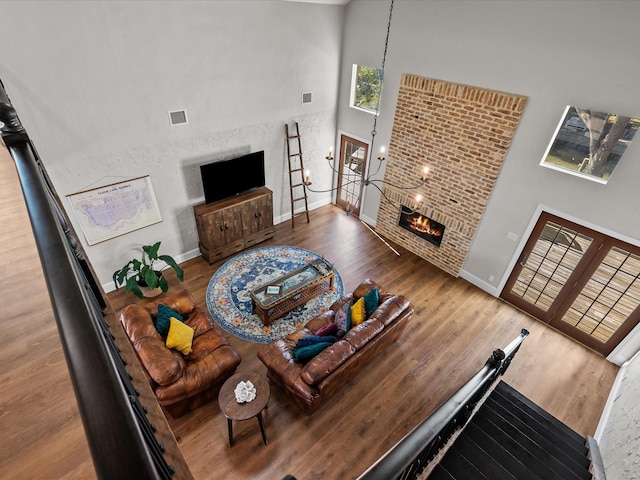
[285, 293]
[233, 410]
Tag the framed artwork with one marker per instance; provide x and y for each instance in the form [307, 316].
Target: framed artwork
[115, 209]
[589, 144]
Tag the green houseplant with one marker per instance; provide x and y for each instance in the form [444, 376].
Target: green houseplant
[142, 273]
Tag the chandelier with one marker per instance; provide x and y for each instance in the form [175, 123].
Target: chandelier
[356, 185]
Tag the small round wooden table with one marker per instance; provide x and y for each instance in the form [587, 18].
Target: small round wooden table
[233, 410]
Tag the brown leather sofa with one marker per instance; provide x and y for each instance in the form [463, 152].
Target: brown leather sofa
[180, 382]
[313, 383]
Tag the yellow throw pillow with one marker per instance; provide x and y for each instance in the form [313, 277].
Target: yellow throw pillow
[358, 312]
[180, 336]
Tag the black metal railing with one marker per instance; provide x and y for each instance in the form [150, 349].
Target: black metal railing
[411, 455]
[120, 437]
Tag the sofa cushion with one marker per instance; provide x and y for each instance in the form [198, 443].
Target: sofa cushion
[358, 312]
[180, 336]
[304, 354]
[362, 334]
[326, 362]
[371, 300]
[391, 308]
[162, 318]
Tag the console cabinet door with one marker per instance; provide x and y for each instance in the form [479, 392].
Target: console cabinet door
[264, 209]
[233, 223]
[211, 229]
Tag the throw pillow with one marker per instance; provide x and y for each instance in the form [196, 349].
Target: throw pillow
[304, 354]
[180, 336]
[162, 319]
[329, 329]
[313, 339]
[358, 312]
[371, 300]
[343, 319]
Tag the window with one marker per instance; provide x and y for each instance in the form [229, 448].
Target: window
[366, 87]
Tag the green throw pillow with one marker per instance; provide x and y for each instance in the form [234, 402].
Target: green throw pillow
[162, 320]
[371, 300]
[304, 354]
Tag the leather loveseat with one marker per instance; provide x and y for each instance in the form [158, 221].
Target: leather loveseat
[180, 382]
[310, 384]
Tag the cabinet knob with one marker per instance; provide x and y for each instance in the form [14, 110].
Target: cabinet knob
[226, 227]
[221, 228]
[255, 214]
[260, 213]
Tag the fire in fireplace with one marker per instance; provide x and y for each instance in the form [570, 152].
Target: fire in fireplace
[422, 226]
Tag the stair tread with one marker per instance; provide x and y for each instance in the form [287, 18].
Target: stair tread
[484, 463]
[503, 449]
[439, 473]
[549, 442]
[543, 461]
[458, 466]
[515, 398]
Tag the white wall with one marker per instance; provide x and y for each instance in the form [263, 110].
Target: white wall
[93, 83]
[555, 53]
[618, 433]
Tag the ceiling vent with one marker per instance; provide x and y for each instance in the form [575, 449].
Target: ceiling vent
[178, 117]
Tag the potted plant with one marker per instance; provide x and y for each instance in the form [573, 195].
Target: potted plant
[141, 278]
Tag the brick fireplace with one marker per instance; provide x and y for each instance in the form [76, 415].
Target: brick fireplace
[462, 134]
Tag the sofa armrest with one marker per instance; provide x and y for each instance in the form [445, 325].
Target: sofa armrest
[200, 375]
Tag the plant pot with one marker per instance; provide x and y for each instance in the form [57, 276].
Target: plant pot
[150, 292]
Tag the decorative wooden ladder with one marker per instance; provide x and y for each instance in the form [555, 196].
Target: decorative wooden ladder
[297, 183]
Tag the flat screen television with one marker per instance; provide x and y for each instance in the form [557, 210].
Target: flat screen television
[227, 178]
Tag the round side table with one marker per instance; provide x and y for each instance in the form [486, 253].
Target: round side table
[233, 410]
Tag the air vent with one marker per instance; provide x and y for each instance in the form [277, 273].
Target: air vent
[178, 117]
[307, 97]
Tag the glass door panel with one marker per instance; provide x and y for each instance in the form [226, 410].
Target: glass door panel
[351, 169]
[579, 281]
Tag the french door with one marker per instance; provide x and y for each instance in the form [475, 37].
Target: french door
[352, 165]
[581, 282]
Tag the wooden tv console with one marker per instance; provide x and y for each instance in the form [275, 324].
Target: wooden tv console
[233, 224]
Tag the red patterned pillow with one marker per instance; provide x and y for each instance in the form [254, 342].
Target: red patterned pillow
[328, 329]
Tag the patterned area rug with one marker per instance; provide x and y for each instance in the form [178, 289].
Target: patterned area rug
[228, 297]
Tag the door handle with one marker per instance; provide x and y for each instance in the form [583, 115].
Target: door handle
[523, 259]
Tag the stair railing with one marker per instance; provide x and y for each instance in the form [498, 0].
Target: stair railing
[410, 456]
[120, 437]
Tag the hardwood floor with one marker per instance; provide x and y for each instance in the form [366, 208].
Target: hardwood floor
[42, 434]
[454, 330]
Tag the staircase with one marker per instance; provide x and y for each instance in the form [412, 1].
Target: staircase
[511, 438]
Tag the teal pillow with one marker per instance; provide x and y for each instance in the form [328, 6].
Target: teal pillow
[162, 319]
[313, 339]
[304, 354]
[371, 300]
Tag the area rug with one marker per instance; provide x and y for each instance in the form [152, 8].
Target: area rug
[228, 297]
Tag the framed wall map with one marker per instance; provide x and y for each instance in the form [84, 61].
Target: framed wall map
[115, 209]
[589, 144]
